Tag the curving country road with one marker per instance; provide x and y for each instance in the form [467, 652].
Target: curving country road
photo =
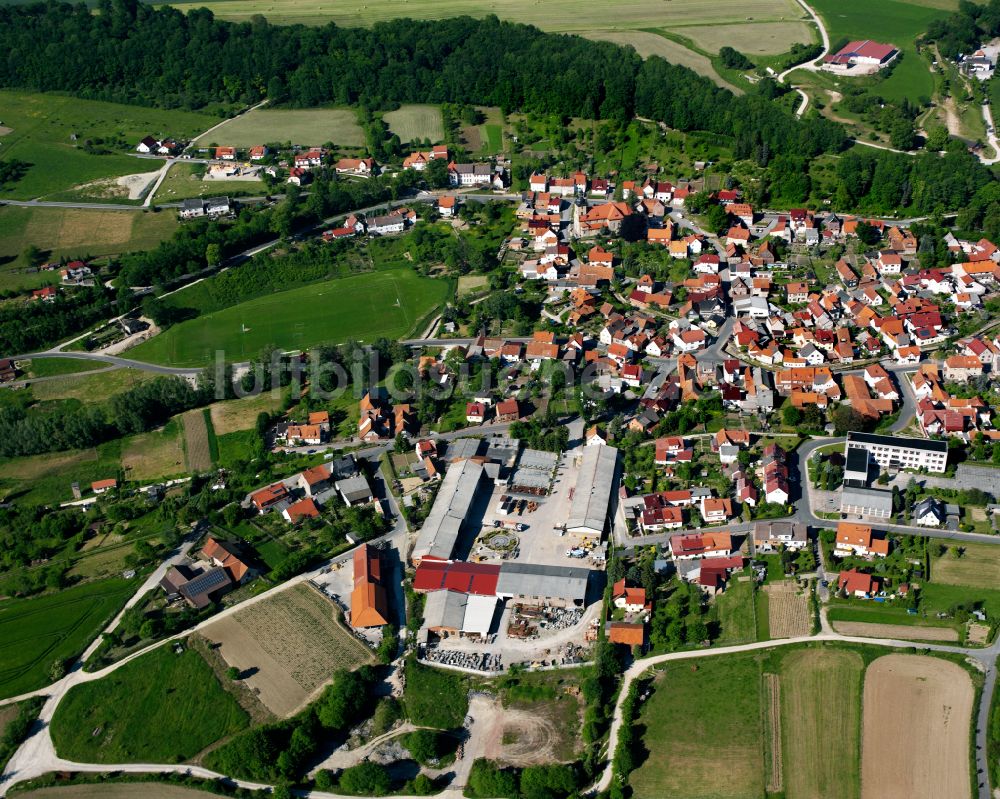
[811, 64]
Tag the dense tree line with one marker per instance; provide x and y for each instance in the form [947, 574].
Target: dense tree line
[130, 52]
[29, 326]
[962, 32]
[25, 431]
[282, 751]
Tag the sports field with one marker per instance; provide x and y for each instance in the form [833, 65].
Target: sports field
[703, 731]
[820, 693]
[932, 701]
[557, 15]
[290, 644]
[34, 633]
[163, 707]
[310, 127]
[42, 127]
[416, 122]
[72, 233]
[385, 303]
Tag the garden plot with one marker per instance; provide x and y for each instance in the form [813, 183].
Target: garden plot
[787, 610]
[288, 646]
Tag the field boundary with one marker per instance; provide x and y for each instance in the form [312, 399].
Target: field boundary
[771, 695]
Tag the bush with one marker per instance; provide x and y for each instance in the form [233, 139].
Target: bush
[365, 779]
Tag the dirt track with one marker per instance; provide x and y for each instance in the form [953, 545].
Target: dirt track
[917, 712]
[903, 631]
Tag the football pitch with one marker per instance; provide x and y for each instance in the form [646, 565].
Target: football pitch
[387, 303]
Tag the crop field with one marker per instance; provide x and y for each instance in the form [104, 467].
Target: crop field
[290, 644]
[387, 303]
[787, 610]
[184, 181]
[109, 720]
[820, 693]
[149, 456]
[931, 699]
[647, 43]
[890, 21]
[42, 127]
[703, 731]
[416, 122]
[902, 631]
[34, 633]
[312, 127]
[231, 416]
[72, 233]
[979, 567]
[759, 38]
[558, 15]
[196, 446]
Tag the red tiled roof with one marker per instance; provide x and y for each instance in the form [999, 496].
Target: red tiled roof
[466, 578]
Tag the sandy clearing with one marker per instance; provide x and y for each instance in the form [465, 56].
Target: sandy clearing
[529, 736]
[902, 631]
[917, 712]
[5, 130]
[137, 184]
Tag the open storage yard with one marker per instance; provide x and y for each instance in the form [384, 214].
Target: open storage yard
[917, 711]
[288, 645]
[385, 303]
[34, 633]
[310, 127]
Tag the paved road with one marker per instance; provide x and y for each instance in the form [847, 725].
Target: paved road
[811, 64]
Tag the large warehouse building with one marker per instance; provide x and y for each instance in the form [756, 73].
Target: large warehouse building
[532, 584]
[588, 513]
[459, 491]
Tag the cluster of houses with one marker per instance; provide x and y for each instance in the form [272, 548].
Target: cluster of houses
[942, 414]
[150, 145]
[302, 496]
[378, 419]
[393, 221]
[220, 566]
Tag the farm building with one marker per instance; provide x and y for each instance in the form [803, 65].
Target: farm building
[591, 501]
[626, 633]
[533, 584]
[369, 602]
[227, 555]
[198, 587]
[865, 53]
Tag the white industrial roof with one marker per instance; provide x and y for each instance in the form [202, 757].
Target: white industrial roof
[440, 531]
[592, 495]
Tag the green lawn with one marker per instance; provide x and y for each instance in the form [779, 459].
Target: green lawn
[879, 613]
[703, 732]
[434, 697]
[891, 22]
[387, 303]
[185, 180]
[736, 613]
[34, 633]
[55, 367]
[43, 126]
[161, 708]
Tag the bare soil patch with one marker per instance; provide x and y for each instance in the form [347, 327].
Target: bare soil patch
[917, 712]
[196, 449]
[288, 646]
[787, 610]
[137, 185]
[903, 631]
[978, 634]
[4, 130]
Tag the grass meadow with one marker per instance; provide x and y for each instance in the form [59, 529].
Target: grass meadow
[36, 632]
[57, 367]
[310, 127]
[703, 731]
[43, 126]
[185, 181]
[385, 303]
[72, 233]
[111, 720]
[416, 122]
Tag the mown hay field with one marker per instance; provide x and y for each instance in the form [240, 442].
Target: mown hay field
[308, 127]
[416, 122]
